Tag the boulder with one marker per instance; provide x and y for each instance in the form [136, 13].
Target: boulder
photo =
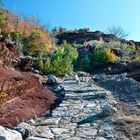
[25, 63]
[44, 132]
[57, 89]
[7, 134]
[52, 80]
[24, 132]
[25, 129]
[83, 74]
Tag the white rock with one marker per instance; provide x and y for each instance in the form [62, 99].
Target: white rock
[59, 131]
[7, 134]
[31, 122]
[43, 131]
[36, 138]
[77, 78]
[50, 121]
[27, 126]
[100, 138]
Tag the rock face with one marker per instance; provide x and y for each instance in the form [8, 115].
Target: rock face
[22, 97]
[7, 134]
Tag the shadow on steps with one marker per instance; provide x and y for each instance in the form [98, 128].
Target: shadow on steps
[92, 119]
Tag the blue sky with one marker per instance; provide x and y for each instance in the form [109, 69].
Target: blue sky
[71, 14]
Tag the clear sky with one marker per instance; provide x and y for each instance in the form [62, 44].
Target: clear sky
[71, 14]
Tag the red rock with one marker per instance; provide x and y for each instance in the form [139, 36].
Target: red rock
[26, 98]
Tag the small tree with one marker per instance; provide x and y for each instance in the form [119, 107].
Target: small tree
[86, 63]
[40, 64]
[47, 66]
[117, 31]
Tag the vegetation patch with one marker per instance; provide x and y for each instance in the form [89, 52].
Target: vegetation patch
[3, 96]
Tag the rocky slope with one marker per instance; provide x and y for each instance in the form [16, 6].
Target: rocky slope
[126, 92]
[22, 97]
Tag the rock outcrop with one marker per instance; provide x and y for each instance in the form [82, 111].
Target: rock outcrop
[87, 36]
[22, 97]
[83, 37]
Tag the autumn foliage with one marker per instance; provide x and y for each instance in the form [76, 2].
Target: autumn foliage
[33, 35]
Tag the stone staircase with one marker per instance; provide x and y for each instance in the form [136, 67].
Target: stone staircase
[84, 114]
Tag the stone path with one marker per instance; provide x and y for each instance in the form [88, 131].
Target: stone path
[84, 114]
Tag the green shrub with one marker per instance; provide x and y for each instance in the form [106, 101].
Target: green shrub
[138, 59]
[2, 19]
[47, 66]
[17, 36]
[125, 50]
[103, 55]
[61, 62]
[85, 63]
[40, 64]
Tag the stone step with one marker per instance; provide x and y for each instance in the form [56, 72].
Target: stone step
[82, 89]
[48, 121]
[85, 97]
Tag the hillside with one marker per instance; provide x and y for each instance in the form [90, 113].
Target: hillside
[83, 36]
[66, 84]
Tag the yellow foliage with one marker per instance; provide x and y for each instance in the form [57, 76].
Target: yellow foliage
[3, 95]
[110, 55]
[138, 59]
[40, 41]
[104, 55]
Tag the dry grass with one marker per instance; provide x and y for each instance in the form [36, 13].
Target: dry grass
[127, 127]
[129, 119]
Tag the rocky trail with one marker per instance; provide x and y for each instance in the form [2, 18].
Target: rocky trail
[84, 114]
